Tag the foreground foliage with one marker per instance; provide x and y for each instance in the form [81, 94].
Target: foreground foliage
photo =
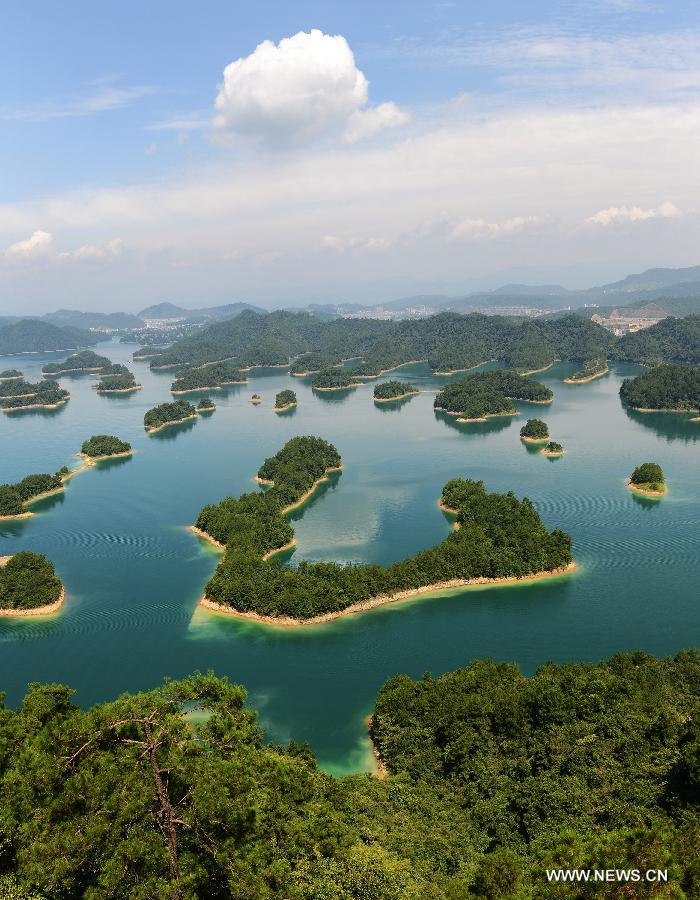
[27, 581]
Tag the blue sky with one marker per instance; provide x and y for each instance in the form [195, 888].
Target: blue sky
[396, 148]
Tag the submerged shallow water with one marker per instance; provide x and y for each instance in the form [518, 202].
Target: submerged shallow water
[133, 573]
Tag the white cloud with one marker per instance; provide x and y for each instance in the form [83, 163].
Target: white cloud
[358, 245]
[616, 214]
[38, 246]
[479, 228]
[91, 252]
[305, 87]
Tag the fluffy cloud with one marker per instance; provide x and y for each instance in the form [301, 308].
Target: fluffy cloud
[358, 245]
[618, 214]
[479, 228]
[303, 88]
[38, 246]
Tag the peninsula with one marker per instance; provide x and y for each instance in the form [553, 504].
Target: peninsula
[499, 540]
[393, 390]
[486, 394]
[534, 431]
[284, 400]
[168, 414]
[210, 377]
[85, 361]
[29, 586]
[648, 479]
[666, 388]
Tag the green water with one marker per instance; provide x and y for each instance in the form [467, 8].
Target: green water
[133, 573]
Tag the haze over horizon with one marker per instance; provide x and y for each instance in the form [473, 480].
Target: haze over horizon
[346, 154]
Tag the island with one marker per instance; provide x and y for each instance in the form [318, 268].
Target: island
[29, 585]
[10, 375]
[592, 368]
[15, 498]
[206, 405]
[534, 431]
[146, 353]
[498, 540]
[255, 399]
[22, 395]
[666, 388]
[284, 400]
[123, 383]
[210, 377]
[334, 380]
[486, 394]
[648, 479]
[393, 390]
[85, 361]
[312, 364]
[105, 446]
[553, 450]
[168, 414]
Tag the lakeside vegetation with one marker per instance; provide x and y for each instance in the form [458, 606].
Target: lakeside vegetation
[44, 393]
[285, 400]
[592, 368]
[333, 380]
[168, 414]
[671, 340]
[666, 387]
[552, 449]
[498, 537]
[206, 404]
[311, 363]
[14, 497]
[100, 445]
[117, 383]
[85, 361]
[535, 430]
[393, 390]
[28, 581]
[648, 478]
[489, 394]
[10, 374]
[207, 378]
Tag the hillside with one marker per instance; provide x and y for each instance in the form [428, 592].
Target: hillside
[35, 336]
[171, 311]
[671, 340]
[73, 318]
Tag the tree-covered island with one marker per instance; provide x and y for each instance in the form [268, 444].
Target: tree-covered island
[29, 585]
[498, 539]
[206, 405]
[122, 383]
[84, 361]
[553, 450]
[168, 414]
[393, 390]
[535, 431]
[284, 400]
[255, 399]
[334, 380]
[312, 364]
[10, 374]
[591, 369]
[20, 394]
[648, 479]
[666, 388]
[210, 377]
[485, 394]
[105, 446]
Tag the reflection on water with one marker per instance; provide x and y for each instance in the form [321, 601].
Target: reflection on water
[172, 432]
[477, 429]
[671, 426]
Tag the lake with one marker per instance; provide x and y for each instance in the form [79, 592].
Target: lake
[133, 573]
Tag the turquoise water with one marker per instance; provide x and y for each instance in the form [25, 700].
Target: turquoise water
[133, 573]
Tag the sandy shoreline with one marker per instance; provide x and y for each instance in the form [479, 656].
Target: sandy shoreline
[345, 387]
[152, 430]
[532, 440]
[645, 492]
[136, 387]
[535, 371]
[552, 454]
[645, 410]
[449, 412]
[382, 600]
[468, 369]
[572, 380]
[279, 409]
[398, 397]
[70, 371]
[12, 409]
[217, 545]
[212, 387]
[45, 610]
[304, 497]
[91, 460]
[380, 769]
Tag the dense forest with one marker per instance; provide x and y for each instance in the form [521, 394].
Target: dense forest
[311, 363]
[13, 497]
[392, 390]
[122, 382]
[34, 336]
[333, 379]
[207, 377]
[285, 399]
[665, 387]
[671, 340]
[85, 361]
[10, 374]
[535, 430]
[27, 581]
[498, 536]
[489, 394]
[104, 445]
[649, 475]
[44, 393]
[168, 413]
[492, 778]
[18, 387]
[552, 448]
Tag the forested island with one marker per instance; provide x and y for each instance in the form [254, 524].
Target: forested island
[334, 380]
[312, 363]
[14, 498]
[535, 431]
[10, 375]
[593, 368]
[552, 449]
[284, 400]
[29, 585]
[19, 394]
[255, 399]
[648, 479]
[206, 405]
[210, 377]
[123, 383]
[393, 390]
[168, 414]
[499, 539]
[85, 361]
[666, 388]
[105, 446]
[35, 336]
[485, 394]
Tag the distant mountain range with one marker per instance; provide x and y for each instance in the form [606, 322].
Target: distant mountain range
[209, 313]
[35, 336]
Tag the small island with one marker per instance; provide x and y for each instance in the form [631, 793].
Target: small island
[10, 375]
[486, 394]
[206, 405]
[105, 446]
[85, 361]
[312, 364]
[333, 380]
[168, 414]
[553, 450]
[393, 390]
[146, 353]
[592, 368]
[284, 400]
[29, 586]
[211, 377]
[534, 431]
[21, 395]
[666, 388]
[648, 480]
[255, 399]
[121, 383]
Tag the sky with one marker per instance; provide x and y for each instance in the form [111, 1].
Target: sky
[278, 153]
